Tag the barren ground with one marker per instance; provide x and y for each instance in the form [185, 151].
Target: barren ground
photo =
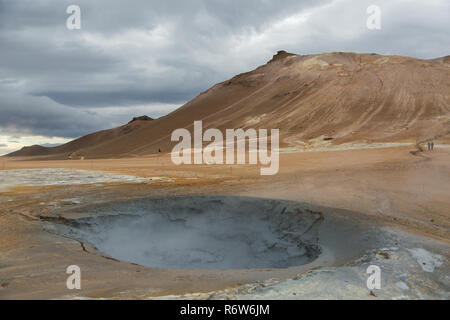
[385, 186]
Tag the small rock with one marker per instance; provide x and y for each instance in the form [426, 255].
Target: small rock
[70, 202]
[383, 254]
[402, 285]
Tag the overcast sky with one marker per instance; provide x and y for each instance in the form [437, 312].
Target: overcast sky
[149, 57]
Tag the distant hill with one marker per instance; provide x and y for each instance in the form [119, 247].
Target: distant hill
[73, 148]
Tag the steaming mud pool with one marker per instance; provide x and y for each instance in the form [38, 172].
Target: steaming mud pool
[150, 247]
[202, 233]
[329, 253]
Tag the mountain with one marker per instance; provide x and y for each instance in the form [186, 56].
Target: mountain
[337, 96]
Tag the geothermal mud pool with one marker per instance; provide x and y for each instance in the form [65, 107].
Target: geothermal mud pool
[271, 249]
[328, 252]
[202, 232]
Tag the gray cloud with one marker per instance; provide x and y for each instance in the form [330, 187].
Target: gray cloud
[151, 56]
[43, 116]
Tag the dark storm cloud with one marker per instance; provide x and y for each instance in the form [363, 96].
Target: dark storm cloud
[42, 116]
[39, 48]
[120, 98]
[113, 15]
[143, 56]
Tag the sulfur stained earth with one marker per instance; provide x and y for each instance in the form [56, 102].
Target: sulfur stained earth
[401, 196]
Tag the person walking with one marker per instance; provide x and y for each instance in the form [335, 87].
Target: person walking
[432, 145]
[429, 145]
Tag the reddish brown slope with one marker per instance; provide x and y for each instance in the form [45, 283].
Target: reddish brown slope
[347, 96]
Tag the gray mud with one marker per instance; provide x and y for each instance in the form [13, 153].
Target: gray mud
[218, 232]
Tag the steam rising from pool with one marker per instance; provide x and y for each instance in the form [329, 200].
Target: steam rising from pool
[202, 232]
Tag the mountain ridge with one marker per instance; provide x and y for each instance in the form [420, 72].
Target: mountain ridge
[340, 96]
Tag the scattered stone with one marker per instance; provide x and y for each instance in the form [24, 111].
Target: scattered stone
[70, 202]
[385, 255]
[427, 260]
[402, 285]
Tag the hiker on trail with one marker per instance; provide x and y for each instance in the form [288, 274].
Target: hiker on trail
[432, 145]
[429, 145]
